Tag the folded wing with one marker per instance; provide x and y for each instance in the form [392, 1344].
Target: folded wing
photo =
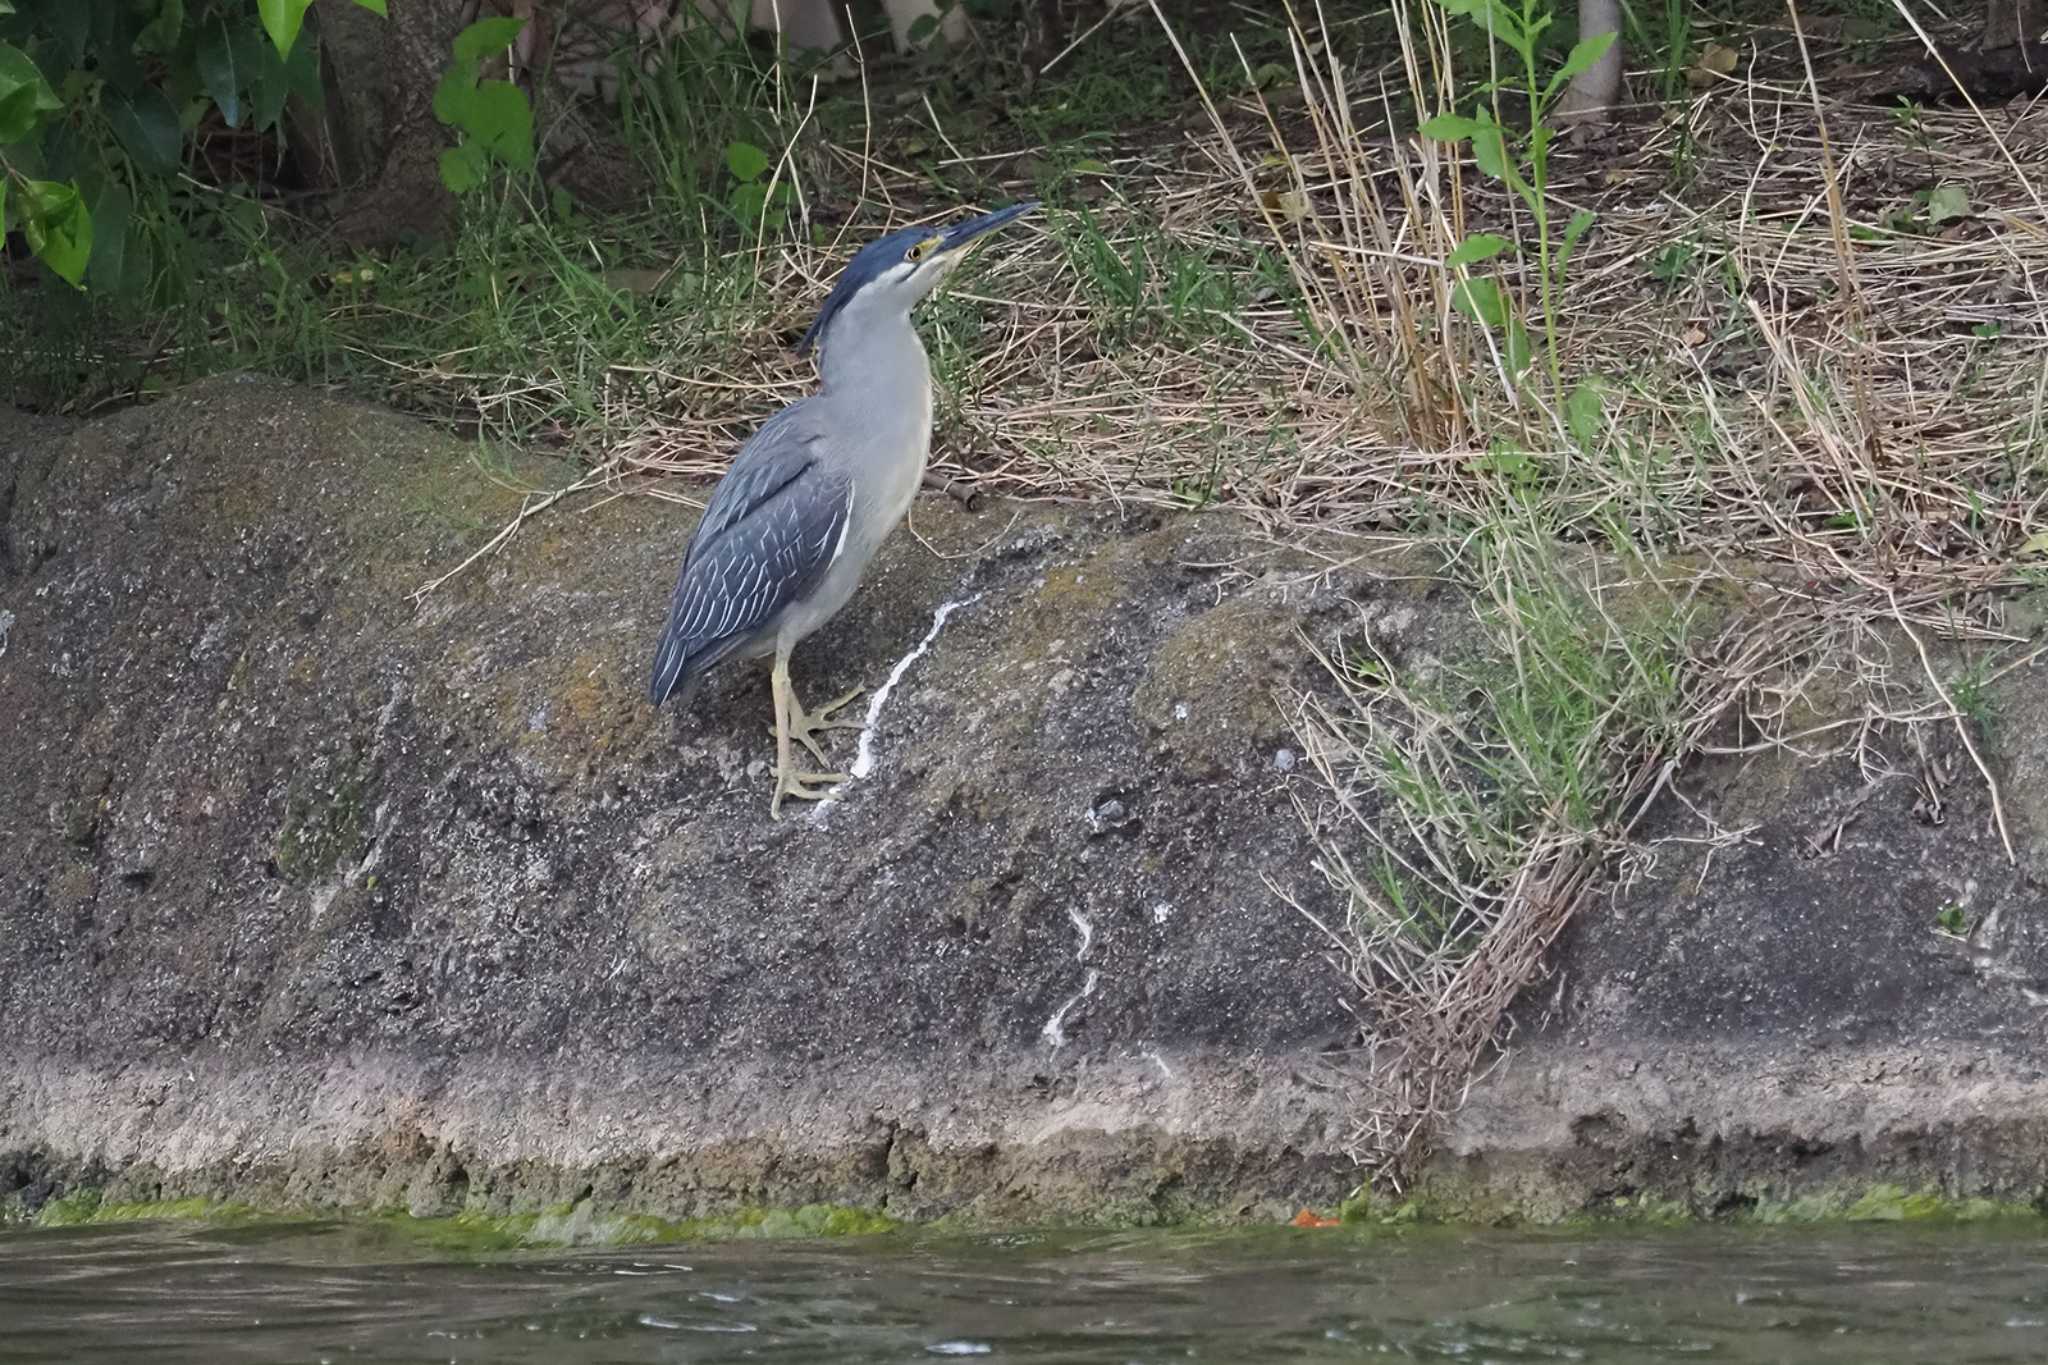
[775, 523]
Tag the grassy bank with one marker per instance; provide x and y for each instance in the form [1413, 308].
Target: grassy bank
[1750, 393]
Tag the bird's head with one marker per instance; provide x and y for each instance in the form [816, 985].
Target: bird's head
[894, 272]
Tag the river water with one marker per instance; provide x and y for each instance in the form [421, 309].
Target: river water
[215, 1295]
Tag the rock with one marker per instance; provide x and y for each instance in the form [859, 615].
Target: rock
[314, 894]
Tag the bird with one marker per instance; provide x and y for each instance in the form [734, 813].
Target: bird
[813, 493]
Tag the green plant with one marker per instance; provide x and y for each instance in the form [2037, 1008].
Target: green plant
[1114, 278]
[1673, 262]
[1677, 47]
[1970, 693]
[1520, 160]
[756, 200]
[1952, 921]
[493, 117]
[97, 105]
[698, 121]
[1912, 121]
[1197, 295]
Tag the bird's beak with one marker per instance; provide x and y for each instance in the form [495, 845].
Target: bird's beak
[962, 234]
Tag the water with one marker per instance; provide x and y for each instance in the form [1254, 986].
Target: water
[357, 1293]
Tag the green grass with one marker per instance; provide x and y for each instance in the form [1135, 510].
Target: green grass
[1567, 673]
[1969, 691]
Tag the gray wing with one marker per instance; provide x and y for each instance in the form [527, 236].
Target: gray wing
[773, 526]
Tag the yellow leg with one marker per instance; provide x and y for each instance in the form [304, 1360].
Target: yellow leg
[804, 725]
[788, 781]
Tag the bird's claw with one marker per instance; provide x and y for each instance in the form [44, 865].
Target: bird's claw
[805, 725]
[789, 782]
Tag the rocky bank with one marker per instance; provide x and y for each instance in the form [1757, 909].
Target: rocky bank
[319, 895]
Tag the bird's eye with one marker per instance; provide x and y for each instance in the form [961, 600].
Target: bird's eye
[919, 251]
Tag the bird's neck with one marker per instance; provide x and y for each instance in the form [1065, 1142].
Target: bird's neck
[879, 385]
[880, 359]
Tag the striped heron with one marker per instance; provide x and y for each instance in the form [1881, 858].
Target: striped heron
[812, 495]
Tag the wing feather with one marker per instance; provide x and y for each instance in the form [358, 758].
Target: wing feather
[773, 526]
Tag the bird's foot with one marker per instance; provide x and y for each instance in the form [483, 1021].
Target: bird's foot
[802, 787]
[805, 725]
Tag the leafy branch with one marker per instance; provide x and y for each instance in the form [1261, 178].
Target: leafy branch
[99, 100]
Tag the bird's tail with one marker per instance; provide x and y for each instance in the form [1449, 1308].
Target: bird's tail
[672, 668]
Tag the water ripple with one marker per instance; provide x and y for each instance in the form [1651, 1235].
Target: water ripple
[183, 1295]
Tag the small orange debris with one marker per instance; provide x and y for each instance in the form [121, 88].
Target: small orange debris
[1309, 1218]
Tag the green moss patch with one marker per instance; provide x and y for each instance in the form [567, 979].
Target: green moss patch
[88, 1205]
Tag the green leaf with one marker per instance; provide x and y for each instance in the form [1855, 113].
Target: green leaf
[451, 96]
[745, 161]
[302, 73]
[1479, 299]
[3, 195]
[749, 201]
[219, 71]
[1539, 145]
[1946, 203]
[1480, 246]
[1499, 20]
[1451, 127]
[114, 258]
[375, 7]
[24, 95]
[1580, 59]
[1490, 151]
[1508, 462]
[1517, 353]
[57, 228]
[18, 116]
[1582, 412]
[484, 37]
[147, 126]
[115, 30]
[263, 75]
[281, 20]
[501, 121]
[161, 33]
[464, 168]
[1573, 230]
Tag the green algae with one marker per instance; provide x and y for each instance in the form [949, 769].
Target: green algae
[1887, 1204]
[588, 1223]
[583, 1224]
[88, 1205]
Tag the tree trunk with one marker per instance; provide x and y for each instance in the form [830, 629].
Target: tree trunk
[386, 137]
[1590, 99]
[2009, 58]
[2014, 23]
